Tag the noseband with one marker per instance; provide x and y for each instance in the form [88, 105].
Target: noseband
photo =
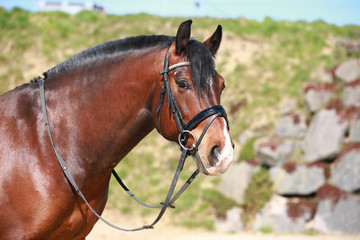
[184, 132]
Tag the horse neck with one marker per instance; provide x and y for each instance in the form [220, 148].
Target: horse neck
[105, 112]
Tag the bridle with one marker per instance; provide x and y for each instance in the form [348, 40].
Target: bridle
[184, 132]
[183, 127]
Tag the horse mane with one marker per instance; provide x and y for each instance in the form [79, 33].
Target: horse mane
[202, 65]
[202, 62]
[107, 50]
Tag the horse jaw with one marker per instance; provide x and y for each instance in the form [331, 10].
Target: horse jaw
[215, 160]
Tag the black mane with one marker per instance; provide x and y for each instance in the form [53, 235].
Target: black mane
[202, 62]
[109, 49]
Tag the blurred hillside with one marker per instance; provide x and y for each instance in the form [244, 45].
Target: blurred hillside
[264, 64]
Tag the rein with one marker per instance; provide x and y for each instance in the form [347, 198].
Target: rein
[184, 130]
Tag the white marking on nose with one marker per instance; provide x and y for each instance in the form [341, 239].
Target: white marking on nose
[224, 155]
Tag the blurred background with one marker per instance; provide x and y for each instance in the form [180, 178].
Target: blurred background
[292, 74]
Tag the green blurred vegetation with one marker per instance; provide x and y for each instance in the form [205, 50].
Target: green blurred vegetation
[266, 229]
[218, 202]
[257, 193]
[247, 151]
[282, 59]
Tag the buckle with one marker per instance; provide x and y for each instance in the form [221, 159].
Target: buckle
[183, 137]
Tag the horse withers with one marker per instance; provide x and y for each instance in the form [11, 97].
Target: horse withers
[100, 103]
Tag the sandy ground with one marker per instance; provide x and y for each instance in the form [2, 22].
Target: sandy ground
[165, 231]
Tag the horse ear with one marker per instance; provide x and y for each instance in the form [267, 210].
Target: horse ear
[214, 41]
[183, 36]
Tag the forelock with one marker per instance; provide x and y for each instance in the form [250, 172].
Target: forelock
[202, 65]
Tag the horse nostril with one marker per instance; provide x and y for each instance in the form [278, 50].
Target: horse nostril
[215, 150]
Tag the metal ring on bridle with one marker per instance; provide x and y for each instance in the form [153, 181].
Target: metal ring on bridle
[182, 137]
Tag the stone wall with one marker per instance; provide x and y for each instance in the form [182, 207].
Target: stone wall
[313, 159]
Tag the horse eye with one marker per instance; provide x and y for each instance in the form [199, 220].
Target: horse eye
[223, 87]
[182, 84]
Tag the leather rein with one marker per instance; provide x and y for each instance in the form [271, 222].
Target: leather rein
[184, 130]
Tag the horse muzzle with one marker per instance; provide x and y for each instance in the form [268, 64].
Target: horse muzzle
[215, 157]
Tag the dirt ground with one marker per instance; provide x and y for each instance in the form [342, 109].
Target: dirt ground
[166, 231]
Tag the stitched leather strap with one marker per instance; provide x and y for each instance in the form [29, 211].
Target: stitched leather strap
[166, 89]
[173, 199]
[201, 116]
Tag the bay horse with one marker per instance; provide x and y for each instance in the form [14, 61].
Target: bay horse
[100, 103]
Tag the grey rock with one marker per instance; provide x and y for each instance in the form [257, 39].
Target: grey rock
[348, 45]
[275, 215]
[273, 151]
[337, 213]
[246, 136]
[324, 136]
[348, 71]
[291, 126]
[236, 180]
[297, 179]
[346, 170]
[288, 106]
[325, 75]
[351, 96]
[354, 135]
[232, 221]
[317, 96]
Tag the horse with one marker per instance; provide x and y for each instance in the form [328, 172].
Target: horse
[100, 103]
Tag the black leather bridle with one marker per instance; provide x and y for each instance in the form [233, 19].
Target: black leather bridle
[183, 127]
[184, 132]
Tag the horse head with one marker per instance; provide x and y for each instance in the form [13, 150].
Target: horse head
[192, 88]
